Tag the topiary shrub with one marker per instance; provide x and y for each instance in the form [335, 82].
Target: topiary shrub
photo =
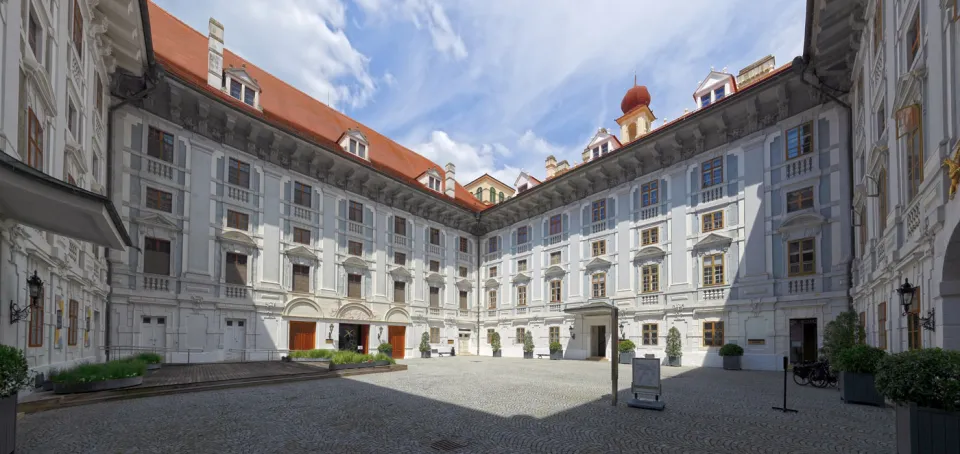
[928, 377]
[555, 347]
[425, 342]
[528, 343]
[626, 346]
[840, 334]
[731, 350]
[859, 359]
[14, 373]
[674, 346]
[495, 342]
[385, 348]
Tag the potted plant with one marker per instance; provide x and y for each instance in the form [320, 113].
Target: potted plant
[153, 360]
[14, 376]
[628, 350]
[732, 355]
[674, 347]
[425, 345]
[858, 367]
[495, 344]
[528, 346]
[386, 349]
[924, 385]
[556, 350]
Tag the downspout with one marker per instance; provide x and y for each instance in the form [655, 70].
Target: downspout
[479, 288]
[153, 76]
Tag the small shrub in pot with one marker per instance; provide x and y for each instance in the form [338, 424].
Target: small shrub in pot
[495, 344]
[674, 347]
[556, 350]
[858, 366]
[386, 349]
[528, 345]
[14, 376]
[732, 355]
[425, 345]
[628, 351]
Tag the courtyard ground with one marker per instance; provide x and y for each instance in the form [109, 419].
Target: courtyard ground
[474, 404]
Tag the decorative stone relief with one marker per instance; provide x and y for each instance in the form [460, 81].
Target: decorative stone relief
[355, 314]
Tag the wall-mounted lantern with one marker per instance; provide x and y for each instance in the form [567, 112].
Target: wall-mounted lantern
[572, 334]
[35, 287]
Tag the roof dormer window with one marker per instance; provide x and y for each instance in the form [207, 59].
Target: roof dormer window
[718, 94]
[244, 93]
[241, 86]
[705, 100]
[355, 142]
[433, 183]
[358, 148]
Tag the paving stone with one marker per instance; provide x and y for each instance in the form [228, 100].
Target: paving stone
[487, 405]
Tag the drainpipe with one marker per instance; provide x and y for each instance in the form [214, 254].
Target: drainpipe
[479, 289]
[800, 67]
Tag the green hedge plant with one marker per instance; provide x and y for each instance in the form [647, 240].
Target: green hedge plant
[150, 358]
[859, 359]
[555, 347]
[528, 343]
[14, 372]
[95, 372]
[626, 346]
[385, 348]
[928, 377]
[348, 357]
[425, 342]
[674, 346]
[314, 354]
[495, 341]
[840, 334]
[731, 350]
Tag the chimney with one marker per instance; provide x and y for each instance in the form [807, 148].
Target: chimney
[215, 55]
[551, 166]
[450, 186]
[562, 167]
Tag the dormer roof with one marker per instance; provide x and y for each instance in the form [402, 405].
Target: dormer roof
[712, 80]
[242, 75]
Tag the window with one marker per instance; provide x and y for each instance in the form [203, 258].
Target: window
[464, 245]
[650, 236]
[301, 236]
[651, 278]
[159, 200]
[35, 36]
[249, 96]
[160, 145]
[302, 194]
[555, 257]
[650, 333]
[598, 248]
[952, 4]
[301, 278]
[595, 152]
[914, 35]
[648, 194]
[95, 168]
[492, 271]
[522, 295]
[490, 332]
[554, 334]
[354, 281]
[463, 300]
[34, 141]
[462, 271]
[909, 129]
[604, 148]
[712, 334]
[521, 265]
[399, 226]
[523, 235]
[493, 245]
[35, 334]
[434, 335]
[433, 183]
[435, 266]
[914, 340]
[521, 333]
[555, 288]
[877, 25]
[882, 201]
[493, 195]
[236, 88]
[718, 94]
[399, 258]
[800, 199]
[712, 172]
[358, 148]
[599, 284]
[236, 269]
[239, 174]
[712, 221]
[800, 140]
[705, 100]
[501, 196]
[74, 310]
[72, 123]
[355, 248]
[882, 325]
[77, 40]
[881, 118]
[522, 187]
[236, 220]
[599, 210]
[434, 236]
[480, 194]
[802, 257]
[156, 256]
[556, 225]
[355, 213]
[434, 296]
[862, 234]
[399, 292]
[492, 299]
[99, 93]
[713, 270]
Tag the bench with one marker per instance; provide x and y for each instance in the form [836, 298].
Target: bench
[541, 352]
[440, 353]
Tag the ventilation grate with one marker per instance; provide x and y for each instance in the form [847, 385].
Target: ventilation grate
[447, 445]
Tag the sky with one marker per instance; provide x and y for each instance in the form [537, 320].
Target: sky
[496, 86]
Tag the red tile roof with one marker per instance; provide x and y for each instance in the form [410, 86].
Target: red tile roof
[182, 51]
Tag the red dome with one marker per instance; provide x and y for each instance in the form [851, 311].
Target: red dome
[636, 96]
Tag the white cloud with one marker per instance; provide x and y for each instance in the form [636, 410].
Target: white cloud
[421, 13]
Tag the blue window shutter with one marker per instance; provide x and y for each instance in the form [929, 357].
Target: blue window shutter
[611, 208]
[136, 137]
[342, 209]
[566, 225]
[663, 192]
[368, 217]
[443, 239]
[288, 195]
[287, 230]
[636, 200]
[732, 173]
[390, 224]
[546, 227]
[586, 219]
[220, 168]
[410, 232]
[182, 153]
[513, 238]
[255, 180]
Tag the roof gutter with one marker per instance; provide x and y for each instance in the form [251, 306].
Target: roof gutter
[808, 32]
[147, 36]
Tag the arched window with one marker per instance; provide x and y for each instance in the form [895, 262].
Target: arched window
[493, 195]
[501, 196]
[480, 194]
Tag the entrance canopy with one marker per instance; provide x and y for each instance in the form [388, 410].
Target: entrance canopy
[595, 308]
[31, 197]
[602, 308]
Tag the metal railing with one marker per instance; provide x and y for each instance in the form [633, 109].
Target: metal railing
[258, 354]
[126, 351]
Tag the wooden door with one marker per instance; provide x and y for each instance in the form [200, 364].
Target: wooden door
[397, 335]
[303, 335]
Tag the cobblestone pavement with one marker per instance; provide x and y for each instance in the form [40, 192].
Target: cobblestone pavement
[489, 405]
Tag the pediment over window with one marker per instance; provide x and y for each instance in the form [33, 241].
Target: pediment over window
[435, 278]
[713, 241]
[38, 74]
[909, 87]
[242, 75]
[72, 151]
[554, 271]
[355, 262]
[401, 273]
[355, 142]
[598, 262]
[521, 277]
[649, 252]
[159, 220]
[238, 237]
[302, 252]
[492, 282]
[802, 221]
[464, 284]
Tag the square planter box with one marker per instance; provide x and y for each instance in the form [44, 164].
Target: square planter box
[497, 354]
[859, 389]
[359, 366]
[627, 357]
[556, 355]
[8, 424]
[927, 430]
[424, 354]
[732, 362]
[527, 355]
[388, 353]
[673, 361]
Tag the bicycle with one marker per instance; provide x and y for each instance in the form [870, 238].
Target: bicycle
[802, 372]
[822, 376]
